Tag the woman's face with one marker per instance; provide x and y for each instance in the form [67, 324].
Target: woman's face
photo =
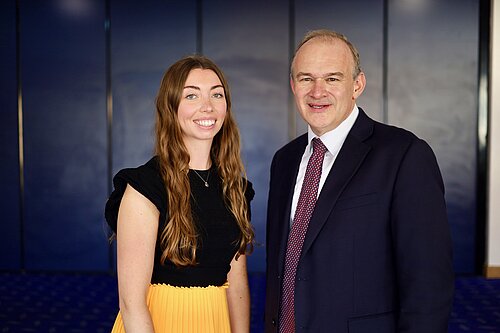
[202, 107]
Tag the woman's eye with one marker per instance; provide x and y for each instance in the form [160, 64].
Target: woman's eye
[191, 96]
[218, 95]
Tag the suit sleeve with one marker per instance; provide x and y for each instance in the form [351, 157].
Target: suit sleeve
[272, 254]
[269, 203]
[422, 243]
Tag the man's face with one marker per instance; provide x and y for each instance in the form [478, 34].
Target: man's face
[322, 82]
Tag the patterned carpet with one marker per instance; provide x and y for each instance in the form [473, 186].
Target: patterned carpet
[476, 307]
[80, 303]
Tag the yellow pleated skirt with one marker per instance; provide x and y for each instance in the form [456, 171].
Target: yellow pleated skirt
[185, 310]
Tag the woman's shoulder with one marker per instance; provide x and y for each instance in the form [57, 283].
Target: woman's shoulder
[149, 169]
[145, 175]
[145, 179]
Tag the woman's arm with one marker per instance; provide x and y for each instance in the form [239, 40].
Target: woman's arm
[238, 296]
[136, 239]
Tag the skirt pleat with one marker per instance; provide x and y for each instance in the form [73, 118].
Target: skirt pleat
[185, 310]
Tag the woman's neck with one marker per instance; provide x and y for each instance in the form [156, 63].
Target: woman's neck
[199, 154]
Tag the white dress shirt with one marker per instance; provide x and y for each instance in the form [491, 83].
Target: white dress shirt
[333, 140]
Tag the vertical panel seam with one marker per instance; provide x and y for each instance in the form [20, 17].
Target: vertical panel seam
[109, 114]
[385, 60]
[20, 132]
[292, 123]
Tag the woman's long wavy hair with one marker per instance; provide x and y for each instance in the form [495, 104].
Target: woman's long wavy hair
[179, 238]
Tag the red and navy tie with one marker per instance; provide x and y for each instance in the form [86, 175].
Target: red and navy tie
[303, 213]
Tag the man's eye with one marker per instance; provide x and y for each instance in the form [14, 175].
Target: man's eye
[331, 79]
[305, 79]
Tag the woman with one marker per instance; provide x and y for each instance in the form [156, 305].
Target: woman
[182, 220]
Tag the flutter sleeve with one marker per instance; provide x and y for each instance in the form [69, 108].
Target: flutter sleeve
[146, 180]
[249, 194]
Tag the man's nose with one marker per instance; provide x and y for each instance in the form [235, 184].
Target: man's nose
[318, 89]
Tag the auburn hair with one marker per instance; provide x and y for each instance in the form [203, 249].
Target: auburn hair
[179, 238]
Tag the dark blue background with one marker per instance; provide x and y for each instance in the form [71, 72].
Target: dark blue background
[54, 222]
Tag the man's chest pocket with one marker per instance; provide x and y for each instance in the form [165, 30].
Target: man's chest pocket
[358, 201]
[381, 323]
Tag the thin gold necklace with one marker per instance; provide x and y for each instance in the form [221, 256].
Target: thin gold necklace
[205, 181]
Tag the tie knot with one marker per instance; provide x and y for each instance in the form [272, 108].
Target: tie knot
[318, 146]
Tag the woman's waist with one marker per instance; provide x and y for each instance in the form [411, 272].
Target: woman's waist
[192, 276]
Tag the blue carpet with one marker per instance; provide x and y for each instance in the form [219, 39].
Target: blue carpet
[83, 303]
[476, 307]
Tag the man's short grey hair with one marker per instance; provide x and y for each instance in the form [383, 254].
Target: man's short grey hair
[326, 34]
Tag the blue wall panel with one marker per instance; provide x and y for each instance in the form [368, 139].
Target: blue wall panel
[433, 86]
[432, 90]
[63, 75]
[10, 240]
[146, 38]
[251, 46]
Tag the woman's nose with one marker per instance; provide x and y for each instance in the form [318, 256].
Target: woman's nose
[206, 105]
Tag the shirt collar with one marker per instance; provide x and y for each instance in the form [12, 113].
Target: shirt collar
[334, 139]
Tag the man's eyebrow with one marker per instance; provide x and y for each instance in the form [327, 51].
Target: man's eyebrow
[326, 75]
[303, 74]
[334, 74]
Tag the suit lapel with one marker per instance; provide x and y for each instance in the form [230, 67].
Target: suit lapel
[347, 163]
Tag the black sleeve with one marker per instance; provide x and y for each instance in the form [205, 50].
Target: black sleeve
[249, 194]
[146, 180]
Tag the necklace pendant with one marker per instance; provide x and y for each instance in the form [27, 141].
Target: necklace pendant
[202, 179]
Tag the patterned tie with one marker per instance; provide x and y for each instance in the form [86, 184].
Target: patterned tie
[303, 213]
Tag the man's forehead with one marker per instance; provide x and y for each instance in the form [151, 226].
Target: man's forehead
[324, 42]
[323, 53]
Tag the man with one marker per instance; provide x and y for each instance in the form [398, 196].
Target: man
[357, 233]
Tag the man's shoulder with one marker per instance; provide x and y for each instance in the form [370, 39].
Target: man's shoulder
[393, 139]
[393, 132]
[296, 146]
[371, 129]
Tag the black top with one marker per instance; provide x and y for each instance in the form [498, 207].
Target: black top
[217, 227]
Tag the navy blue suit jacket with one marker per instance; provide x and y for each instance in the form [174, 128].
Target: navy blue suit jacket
[377, 253]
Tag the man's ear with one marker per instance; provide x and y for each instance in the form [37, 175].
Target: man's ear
[292, 84]
[359, 85]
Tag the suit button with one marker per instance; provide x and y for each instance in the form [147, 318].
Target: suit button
[274, 322]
